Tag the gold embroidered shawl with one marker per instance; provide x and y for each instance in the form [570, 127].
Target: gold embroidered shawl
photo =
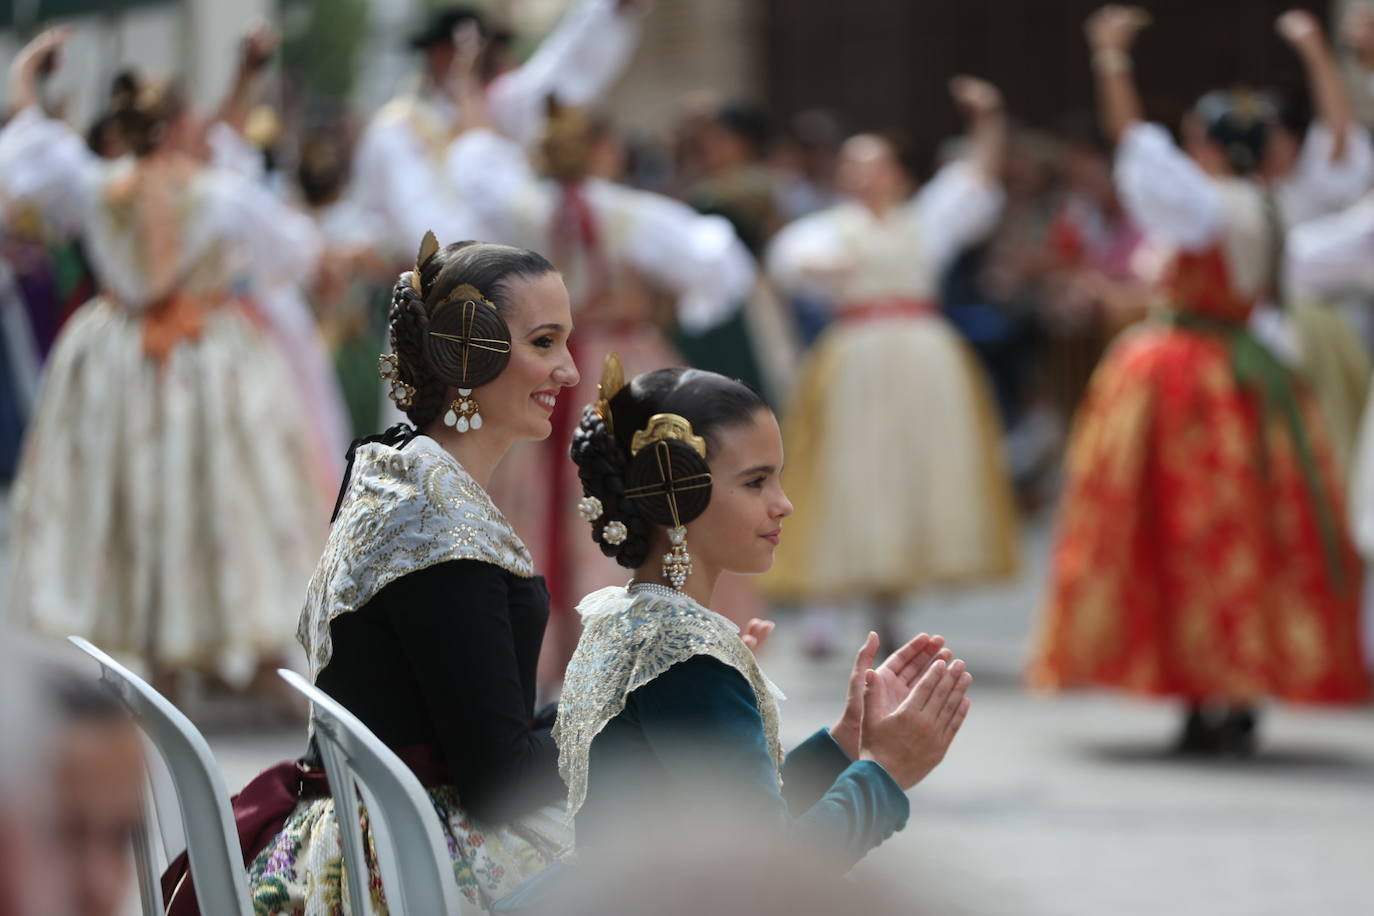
[629, 638]
[406, 509]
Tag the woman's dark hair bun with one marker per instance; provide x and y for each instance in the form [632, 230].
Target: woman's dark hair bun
[468, 343]
[434, 365]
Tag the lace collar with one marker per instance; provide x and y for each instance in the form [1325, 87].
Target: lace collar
[405, 509]
[632, 635]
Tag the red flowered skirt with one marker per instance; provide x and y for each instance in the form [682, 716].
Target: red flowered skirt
[1190, 558]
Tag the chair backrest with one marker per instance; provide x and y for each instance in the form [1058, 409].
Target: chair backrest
[207, 821]
[412, 855]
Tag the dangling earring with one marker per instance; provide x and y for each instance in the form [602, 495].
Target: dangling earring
[677, 563]
[463, 413]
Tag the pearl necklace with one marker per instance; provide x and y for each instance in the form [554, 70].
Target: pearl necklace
[656, 589]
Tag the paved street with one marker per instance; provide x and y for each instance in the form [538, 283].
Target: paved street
[1068, 805]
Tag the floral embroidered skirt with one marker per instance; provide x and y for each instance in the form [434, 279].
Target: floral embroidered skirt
[301, 872]
[1190, 558]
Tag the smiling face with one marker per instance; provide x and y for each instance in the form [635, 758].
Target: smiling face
[742, 525]
[519, 403]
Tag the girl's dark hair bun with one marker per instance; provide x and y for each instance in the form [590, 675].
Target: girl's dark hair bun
[666, 473]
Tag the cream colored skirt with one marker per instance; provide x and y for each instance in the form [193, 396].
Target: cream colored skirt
[895, 466]
[174, 505]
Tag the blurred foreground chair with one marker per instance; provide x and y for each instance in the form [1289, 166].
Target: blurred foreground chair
[206, 820]
[412, 855]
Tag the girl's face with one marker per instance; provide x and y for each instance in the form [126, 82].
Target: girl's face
[519, 403]
[742, 525]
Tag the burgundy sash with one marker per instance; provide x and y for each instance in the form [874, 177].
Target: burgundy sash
[262, 808]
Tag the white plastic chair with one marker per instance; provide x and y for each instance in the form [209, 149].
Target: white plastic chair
[412, 855]
[207, 821]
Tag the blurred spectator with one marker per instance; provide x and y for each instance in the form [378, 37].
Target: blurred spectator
[27, 875]
[737, 183]
[99, 773]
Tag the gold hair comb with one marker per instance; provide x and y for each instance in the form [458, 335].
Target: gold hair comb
[663, 427]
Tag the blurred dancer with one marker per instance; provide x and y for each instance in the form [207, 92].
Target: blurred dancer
[918, 495]
[166, 493]
[636, 264]
[1201, 551]
[1314, 170]
[400, 156]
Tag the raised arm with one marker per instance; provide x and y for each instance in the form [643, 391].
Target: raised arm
[44, 164]
[576, 64]
[1334, 109]
[981, 103]
[1111, 33]
[255, 52]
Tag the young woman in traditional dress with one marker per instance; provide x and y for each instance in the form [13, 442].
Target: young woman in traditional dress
[636, 264]
[425, 616]
[1202, 551]
[166, 496]
[890, 399]
[681, 474]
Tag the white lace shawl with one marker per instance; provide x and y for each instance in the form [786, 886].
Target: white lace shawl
[629, 638]
[406, 509]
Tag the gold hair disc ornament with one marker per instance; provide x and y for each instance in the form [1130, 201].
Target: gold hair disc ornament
[612, 381]
[468, 345]
[675, 479]
[666, 426]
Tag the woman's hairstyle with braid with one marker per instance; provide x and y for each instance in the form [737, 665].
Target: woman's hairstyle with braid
[489, 269]
[710, 402]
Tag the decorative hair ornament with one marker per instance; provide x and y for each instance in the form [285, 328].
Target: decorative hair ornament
[589, 507]
[428, 246]
[612, 381]
[468, 343]
[668, 472]
[389, 367]
[615, 533]
[663, 427]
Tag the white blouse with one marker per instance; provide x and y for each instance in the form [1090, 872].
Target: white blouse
[694, 257]
[849, 254]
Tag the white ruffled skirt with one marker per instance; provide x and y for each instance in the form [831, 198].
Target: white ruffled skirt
[169, 508]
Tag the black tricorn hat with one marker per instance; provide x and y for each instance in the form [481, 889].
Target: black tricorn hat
[438, 28]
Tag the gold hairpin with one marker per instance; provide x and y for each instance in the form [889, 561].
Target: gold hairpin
[428, 246]
[665, 426]
[612, 380]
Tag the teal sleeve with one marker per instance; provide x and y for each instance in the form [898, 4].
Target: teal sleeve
[810, 769]
[702, 721]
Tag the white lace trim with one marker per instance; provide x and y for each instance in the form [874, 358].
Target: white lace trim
[630, 637]
[406, 509]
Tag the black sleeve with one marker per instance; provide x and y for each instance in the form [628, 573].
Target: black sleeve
[453, 625]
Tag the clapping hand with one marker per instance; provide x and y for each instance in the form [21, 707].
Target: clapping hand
[909, 739]
[892, 680]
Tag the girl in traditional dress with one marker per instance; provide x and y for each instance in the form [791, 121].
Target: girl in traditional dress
[636, 263]
[425, 616]
[681, 474]
[1202, 551]
[890, 399]
[166, 496]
